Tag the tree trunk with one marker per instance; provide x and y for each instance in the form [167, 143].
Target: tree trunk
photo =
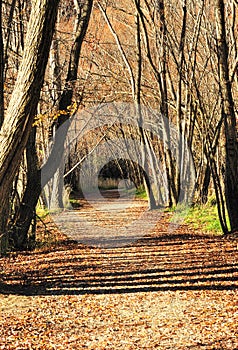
[1, 70]
[228, 111]
[55, 159]
[20, 114]
[26, 213]
[145, 148]
[66, 100]
[205, 185]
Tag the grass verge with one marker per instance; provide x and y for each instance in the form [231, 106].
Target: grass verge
[204, 217]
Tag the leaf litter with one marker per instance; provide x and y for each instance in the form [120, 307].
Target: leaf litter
[164, 291]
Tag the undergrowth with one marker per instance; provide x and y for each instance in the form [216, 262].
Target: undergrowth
[202, 217]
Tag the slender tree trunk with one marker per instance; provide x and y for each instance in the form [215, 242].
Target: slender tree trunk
[170, 173]
[145, 148]
[229, 118]
[55, 189]
[135, 84]
[81, 24]
[160, 72]
[205, 184]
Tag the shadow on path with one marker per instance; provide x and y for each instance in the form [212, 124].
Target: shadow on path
[181, 260]
[164, 263]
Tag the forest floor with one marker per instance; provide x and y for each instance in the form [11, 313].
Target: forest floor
[165, 289]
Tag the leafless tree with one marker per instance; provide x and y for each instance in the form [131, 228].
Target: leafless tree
[20, 114]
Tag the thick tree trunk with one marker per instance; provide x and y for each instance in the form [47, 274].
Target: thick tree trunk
[1, 70]
[54, 161]
[20, 114]
[229, 118]
[23, 220]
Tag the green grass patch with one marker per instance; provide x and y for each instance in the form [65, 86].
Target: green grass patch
[201, 217]
[204, 217]
[42, 212]
[141, 193]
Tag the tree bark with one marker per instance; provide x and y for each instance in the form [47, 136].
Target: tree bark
[1, 70]
[66, 99]
[228, 111]
[20, 114]
[26, 213]
[35, 183]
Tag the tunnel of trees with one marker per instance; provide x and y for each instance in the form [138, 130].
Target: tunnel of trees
[60, 57]
[123, 169]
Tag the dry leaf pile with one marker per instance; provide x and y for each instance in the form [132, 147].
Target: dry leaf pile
[167, 290]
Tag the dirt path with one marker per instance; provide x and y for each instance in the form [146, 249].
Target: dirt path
[168, 289]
